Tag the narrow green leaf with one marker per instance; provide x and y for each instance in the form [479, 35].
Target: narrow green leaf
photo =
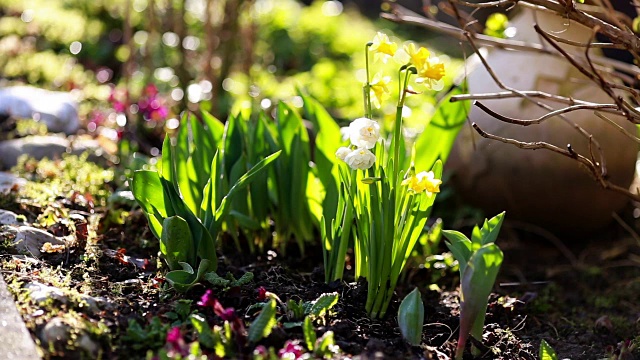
[411, 317]
[262, 325]
[309, 333]
[547, 352]
[438, 137]
[242, 183]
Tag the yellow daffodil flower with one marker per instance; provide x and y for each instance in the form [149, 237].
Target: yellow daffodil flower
[382, 47]
[410, 54]
[424, 181]
[431, 74]
[379, 89]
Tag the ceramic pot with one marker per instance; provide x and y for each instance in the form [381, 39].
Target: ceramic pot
[540, 186]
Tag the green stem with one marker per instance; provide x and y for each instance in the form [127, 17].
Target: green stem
[367, 85]
[346, 231]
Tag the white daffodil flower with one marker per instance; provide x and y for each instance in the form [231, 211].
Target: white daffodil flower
[343, 152]
[360, 159]
[364, 133]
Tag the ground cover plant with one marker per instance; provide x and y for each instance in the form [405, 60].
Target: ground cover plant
[298, 208]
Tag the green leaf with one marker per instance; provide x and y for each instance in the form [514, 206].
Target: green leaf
[476, 284]
[244, 279]
[438, 137]
[245, 221]
[244, 180]
[325, 346]
[147, 190]
[216, 280]
[547, 352]
[309, 333]
[460, 247]
[262, 325]
[491, 229]
[327, 141]
[411, 317]
[205, 335]
[183, 280]
[178, 242]
[323, 303]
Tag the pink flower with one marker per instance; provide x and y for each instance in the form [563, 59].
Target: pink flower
[151, 90]
[207, 299]
[260, 352]
[228, 314]
[174, 337]
[291, 350]
[262, 293]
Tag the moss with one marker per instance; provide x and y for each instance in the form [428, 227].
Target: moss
[71, 174]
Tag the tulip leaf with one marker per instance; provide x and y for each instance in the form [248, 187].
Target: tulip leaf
[411, 317]
[460, 246]
[476, 284]
[178, 242]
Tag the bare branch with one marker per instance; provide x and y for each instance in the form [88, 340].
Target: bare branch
[544, 117]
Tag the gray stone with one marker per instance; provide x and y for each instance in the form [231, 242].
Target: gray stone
[47, 146]
[9, 181]
[40, 293]
[10, 218]
[29, 240]
[57, 110]
[15, 342]
[90, 346]
[56, 332]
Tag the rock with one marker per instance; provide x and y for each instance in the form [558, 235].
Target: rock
[47, 146]
[541, 187]
[58, 110]
[56, 333]
[90, 346]
[40, 293]
[9, 181]
[10, 218]
[29, 240]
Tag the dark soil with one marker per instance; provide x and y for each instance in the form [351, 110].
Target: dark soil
[583, 300]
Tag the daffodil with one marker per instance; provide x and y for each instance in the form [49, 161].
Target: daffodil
[431, 74]
[424, 181]
[379, 89]
[364, 133]
[410, 54]
[360, 159]
[342, 153]
[382, 47]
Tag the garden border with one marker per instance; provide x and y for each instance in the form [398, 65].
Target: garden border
[15, 339]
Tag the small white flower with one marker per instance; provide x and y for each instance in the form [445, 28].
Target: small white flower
[360, 159]
[342, 153]
[364, 133]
